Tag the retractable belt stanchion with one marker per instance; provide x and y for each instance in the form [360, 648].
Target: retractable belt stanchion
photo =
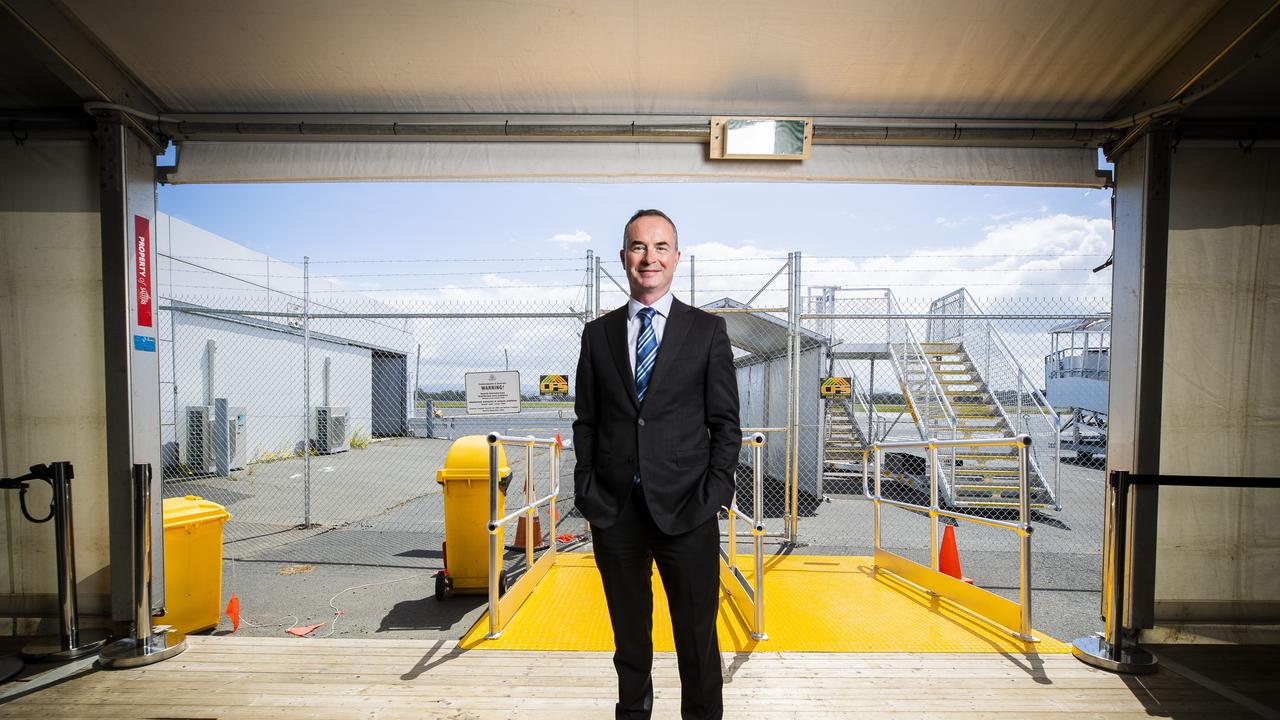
[72, 642]
[147, 645]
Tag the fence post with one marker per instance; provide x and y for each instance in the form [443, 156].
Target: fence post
[589, 313]
[306, 391]
[691, 282]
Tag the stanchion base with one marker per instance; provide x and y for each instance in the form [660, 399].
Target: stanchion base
[1095, 651]
[10, 665]
[130, 653]
[49, 649]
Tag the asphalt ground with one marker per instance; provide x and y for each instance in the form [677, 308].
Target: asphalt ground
[368, 559]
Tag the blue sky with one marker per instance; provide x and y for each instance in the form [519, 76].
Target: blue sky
[923, 241]
[415, 246]
[395, 221]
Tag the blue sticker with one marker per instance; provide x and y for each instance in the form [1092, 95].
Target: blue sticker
[144, 343]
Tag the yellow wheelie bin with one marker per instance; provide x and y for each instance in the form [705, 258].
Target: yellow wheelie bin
[192, 563]
[465, 481]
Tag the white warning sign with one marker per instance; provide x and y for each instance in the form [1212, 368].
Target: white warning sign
[493, 393]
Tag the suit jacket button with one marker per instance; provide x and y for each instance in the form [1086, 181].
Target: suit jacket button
[640, 422]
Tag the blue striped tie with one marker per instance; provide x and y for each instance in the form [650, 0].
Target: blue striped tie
[646, 352]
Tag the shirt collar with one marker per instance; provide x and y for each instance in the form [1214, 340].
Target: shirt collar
[662, 306]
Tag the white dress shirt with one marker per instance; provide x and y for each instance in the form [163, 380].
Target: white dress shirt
[662, 308]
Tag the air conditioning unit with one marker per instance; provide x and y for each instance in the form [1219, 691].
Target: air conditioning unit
[204, 454]
[236, 443]
[331, 430]
[199, 445]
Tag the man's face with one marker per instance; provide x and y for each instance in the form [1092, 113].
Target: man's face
[650, 257]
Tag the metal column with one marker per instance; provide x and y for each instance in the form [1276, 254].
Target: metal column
[1137, 360]
[131, 368]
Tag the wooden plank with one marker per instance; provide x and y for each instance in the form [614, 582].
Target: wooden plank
[287, 679]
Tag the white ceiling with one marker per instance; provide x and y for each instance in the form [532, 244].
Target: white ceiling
[1054, 59]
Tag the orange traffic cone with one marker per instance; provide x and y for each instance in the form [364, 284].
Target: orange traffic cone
[517, 543]
[949, 556]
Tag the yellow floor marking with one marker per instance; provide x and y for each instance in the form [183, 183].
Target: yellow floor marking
[812, 604]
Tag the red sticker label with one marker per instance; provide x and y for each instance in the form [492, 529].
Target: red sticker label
[142, 259]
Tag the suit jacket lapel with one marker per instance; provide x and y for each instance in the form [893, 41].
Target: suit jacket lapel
[615, 329]
[672, 339]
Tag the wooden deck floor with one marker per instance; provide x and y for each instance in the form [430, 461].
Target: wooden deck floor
[283, 678]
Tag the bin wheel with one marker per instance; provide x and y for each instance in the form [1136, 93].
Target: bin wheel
[444, 587]
[502, 583]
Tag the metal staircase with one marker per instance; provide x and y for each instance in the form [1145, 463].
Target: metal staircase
[981, 477]
[843, 443]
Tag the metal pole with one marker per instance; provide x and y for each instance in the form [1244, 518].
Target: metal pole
[795, 420]
[1109, 652]
[933, 505]
[553, 475]
[71, 642]
[691, 282]
[417, 377]
[596, 286]
[590, 312]
[494, 550]
[148, 645]
[871, 406]
[306, 391]
[1024, 519]
[142, 553]
[1114, 629]
[788, 475]
[532, 514]
[733, 529]
[879, 455]
[757, 514]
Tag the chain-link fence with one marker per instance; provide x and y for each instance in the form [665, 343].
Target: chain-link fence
[319, 417]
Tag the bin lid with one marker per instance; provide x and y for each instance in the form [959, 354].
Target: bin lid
[468, 459]
[190, 510]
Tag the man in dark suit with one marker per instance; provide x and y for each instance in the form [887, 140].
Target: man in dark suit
[657, 438]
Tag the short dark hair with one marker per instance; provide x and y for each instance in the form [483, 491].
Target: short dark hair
[650, 212]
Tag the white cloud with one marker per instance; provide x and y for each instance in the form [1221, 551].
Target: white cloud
[566, 240]
[946, 222]
[1029, 257]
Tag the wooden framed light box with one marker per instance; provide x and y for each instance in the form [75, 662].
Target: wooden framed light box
[760, 138]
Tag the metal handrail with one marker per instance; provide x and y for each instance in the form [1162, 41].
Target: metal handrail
[1022, 527]
[1023, 380]
[754, 595]
[1022, 373]
[495, 524]
[934, 383]
[1112, 651]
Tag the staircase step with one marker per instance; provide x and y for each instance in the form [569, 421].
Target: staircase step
[1012, 504]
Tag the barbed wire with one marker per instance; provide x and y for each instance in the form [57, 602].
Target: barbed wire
[760, 258]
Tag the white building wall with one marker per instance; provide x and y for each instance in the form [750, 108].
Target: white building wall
[258, 361]
[261, 370]
[762, 393]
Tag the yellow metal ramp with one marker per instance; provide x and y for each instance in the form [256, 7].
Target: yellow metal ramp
[811, 604]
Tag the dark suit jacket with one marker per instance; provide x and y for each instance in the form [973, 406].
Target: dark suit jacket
[684, 439]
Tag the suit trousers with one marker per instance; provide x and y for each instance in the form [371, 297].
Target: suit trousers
[625, 554]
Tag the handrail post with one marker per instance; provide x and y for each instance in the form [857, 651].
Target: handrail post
[733, 529]
[1024, 546]
[757, 514]
[494, 550]
[879, 456]
[72, 641]
[147, 645]
[1109, 652]
[933, 505]
[553, 476]
[531, 516]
